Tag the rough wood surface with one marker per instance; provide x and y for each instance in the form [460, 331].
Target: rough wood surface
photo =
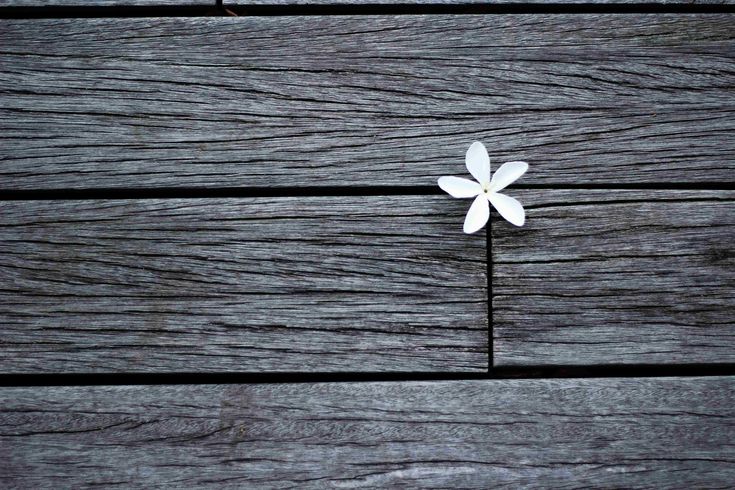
[376, 100]
[610, 276]
[104, 3]
[262, 284]
[560, 433]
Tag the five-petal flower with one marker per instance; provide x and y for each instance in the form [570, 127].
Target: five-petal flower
[485, 190]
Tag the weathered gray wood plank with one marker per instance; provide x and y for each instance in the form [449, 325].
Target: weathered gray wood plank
[104, 3]
[560, 433]
[611, 276]
[262, 284]
[378, 100]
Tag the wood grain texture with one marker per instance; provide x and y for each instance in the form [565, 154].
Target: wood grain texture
[377, 100]
[104, 3]
[262, 284]
[561, 433]
[611, 276]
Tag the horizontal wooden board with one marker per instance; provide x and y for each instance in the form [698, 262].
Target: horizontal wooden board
[559, 433]
[262, 284]
[104, 3]
[611, 276]
[356, 100]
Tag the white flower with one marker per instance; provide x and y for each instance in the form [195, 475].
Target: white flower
[485, 190]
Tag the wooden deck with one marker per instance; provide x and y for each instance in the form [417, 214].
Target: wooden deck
[225, 262]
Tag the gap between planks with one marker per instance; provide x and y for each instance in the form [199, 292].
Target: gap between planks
[300, 377]
[318, 191]
[77, 9]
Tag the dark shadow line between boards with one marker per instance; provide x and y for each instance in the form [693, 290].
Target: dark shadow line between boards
[490, 296]
[312, 191]
[494, 373]
[219, 8]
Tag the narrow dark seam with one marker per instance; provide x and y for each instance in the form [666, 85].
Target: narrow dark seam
[494, 373]
[221, 8]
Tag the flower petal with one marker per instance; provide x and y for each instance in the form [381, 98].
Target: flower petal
[478, 163]
[458, 187]
[508, 208]
[478, 214]
[507, 174]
